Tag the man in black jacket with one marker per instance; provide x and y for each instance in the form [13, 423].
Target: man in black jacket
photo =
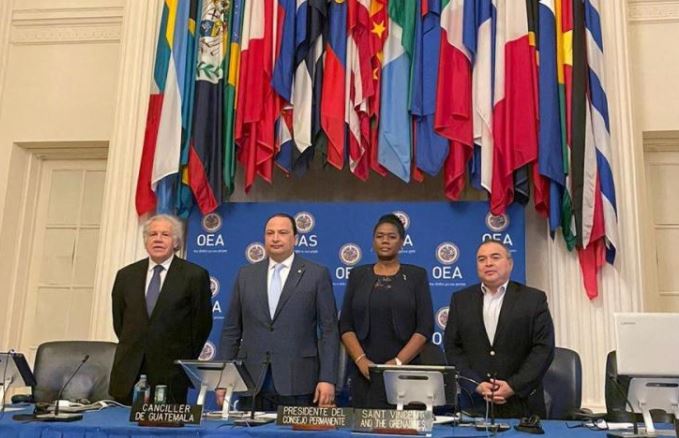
[162, 311]
[500, 334]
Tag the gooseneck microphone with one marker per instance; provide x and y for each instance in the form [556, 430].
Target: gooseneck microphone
[69, 416]
[618, 387]
[492, 400]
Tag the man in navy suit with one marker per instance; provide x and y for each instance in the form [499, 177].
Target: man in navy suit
[282, 322]
[500, 334]
[162, 311]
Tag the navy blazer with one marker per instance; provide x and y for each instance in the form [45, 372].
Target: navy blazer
[177, 329]
[523, 347]
[410, 304]
[300, 343]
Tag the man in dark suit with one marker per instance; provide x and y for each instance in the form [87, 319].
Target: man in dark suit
[162, 311]
[282, 322]
[500, 334]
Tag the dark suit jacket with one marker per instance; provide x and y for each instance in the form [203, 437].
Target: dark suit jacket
[177, 329]
[300, 344]
[410, 305]
[521, 352]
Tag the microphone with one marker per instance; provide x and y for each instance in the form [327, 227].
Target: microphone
[492, 403]
[56, 416]
[492, 426]
[618, 387]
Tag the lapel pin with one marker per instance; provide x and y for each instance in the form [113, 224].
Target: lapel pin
[405, 277]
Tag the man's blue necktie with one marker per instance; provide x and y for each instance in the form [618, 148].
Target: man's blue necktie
[153, 292]
[275, 288]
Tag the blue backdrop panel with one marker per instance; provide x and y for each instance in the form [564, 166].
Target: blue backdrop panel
[441, 237]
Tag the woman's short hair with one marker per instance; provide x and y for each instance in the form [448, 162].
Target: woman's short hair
[393, 220]
[177, 228]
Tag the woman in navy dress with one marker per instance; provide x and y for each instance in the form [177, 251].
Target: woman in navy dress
[387, 313]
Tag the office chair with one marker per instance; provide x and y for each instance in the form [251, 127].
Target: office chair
[342, 398]
[563, 385]
[432, 354]
[55, 362]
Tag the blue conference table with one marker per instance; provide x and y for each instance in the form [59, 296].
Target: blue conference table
[113, 422]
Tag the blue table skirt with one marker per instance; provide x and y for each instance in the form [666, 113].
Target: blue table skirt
[113, 422]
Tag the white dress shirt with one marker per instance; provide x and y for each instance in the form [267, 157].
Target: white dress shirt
[492, 304]
[285, 270]
[149, 273]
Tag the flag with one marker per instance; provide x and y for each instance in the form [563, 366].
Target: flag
[184, 198]
[206, 155]
[596, 207]
[284, 68]
[514, 120]
[583, 160]
[378, 36]
[521, 181]
[550, 141]
[359, 87]
[600, 124]
[229, 169]
[394, 143]
[432, 148]
[478, 38]
[282, 81]
[308, 80]
[333, 100]
[583, 173]
[256, 101]
[156, 184]
[454, 115]
[564, 9]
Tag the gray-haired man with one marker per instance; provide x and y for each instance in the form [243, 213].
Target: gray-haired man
[162, 311]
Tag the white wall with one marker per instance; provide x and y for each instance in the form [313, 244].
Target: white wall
[59, 69]
[654, 62]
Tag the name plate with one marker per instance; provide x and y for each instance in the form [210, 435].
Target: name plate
[392, 421]
[169, 415]
[313, 416]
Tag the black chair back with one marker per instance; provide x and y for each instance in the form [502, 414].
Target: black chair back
[342, 387]
[432, 354]
[55, 362]
[563, 385]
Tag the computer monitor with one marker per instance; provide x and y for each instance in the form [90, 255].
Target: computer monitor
[647, 350]
[430, 385]
[14, 371]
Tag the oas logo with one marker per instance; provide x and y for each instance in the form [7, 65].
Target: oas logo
[208, 352]
[442, 317]
[212, 222]
[350, 254]
[305, 222]
[497, 223]
[255, 252]
[403, 217]
[447, 253]
[214, 286]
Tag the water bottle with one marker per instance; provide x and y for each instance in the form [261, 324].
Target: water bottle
[142, 390]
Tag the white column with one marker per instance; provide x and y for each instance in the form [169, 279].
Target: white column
[5, 24]
[120, 237]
